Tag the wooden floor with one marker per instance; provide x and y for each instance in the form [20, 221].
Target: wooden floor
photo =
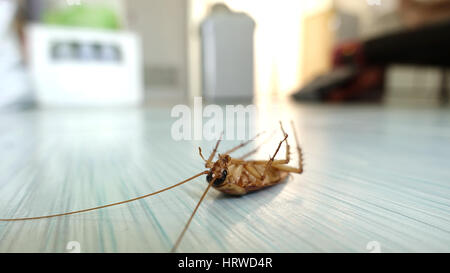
[376, 178]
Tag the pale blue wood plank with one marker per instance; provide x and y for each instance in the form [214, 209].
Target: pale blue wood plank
[372, 173]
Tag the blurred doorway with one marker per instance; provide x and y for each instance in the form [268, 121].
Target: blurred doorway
[279, 42]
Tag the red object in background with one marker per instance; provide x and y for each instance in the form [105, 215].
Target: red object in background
[348, 53]
[367, 86]
[369, 82]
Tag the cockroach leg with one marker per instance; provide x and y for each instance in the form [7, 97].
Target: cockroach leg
[237, 171]
[178, 241]
[299, 149]
[208, 163]
[285, 161]
[263, 162]
[243, 143]
[269, 163]
[237, 161]
[252, 170]
[286, 168]
[258, 147]
[201, 155]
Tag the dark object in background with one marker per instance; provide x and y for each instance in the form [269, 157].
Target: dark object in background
[428, 45]
[350, 79]
[345, 83]
[319, 88]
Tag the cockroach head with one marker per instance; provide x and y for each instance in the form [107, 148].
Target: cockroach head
[219, 170]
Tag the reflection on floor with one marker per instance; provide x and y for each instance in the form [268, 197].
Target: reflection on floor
[373, 176]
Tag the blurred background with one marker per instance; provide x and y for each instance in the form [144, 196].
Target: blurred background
[86, 119]
[94, 52]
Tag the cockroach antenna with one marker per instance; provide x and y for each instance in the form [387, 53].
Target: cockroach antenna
[233, 176]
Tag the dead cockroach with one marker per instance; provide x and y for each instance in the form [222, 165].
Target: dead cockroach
[234, 176]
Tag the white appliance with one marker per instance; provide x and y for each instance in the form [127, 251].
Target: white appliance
[85, 67]
[227, 43]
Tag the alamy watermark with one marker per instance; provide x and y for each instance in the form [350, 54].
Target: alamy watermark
[190, 126]
[373, 247]
[73, 247]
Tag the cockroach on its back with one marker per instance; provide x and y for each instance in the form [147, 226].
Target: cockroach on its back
[240, 176]
[237, 176]
[234, 176]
